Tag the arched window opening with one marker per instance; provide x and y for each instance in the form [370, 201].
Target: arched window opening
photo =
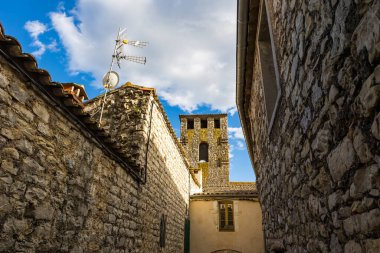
[203, 152]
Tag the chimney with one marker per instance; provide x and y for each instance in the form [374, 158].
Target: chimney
[76, 90]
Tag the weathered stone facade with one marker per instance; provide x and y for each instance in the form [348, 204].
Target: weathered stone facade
[318, 166]
[60, 191]
[215, 171]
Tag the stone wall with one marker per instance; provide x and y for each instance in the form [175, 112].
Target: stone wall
[318, 169]
[59, 191]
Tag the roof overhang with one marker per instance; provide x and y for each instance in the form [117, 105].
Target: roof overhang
[247, 24]
[252, 196]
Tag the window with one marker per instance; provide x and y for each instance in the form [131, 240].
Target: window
[269, 69]
[203, 123]
[203, 152]
[190, 124]
[216, 123]
[226, 216]
[219, 162]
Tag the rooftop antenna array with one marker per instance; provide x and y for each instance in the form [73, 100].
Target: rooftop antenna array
[111, 78]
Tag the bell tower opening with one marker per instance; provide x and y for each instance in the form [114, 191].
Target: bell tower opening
[203, 152]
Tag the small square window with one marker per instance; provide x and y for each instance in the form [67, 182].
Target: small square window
[190, 124]
[216, 123]
[203, 123]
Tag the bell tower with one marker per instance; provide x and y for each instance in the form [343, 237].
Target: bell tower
[205, 139]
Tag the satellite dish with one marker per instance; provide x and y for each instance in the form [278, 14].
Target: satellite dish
[110, 80]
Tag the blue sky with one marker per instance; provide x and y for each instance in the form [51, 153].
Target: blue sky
[190, 57]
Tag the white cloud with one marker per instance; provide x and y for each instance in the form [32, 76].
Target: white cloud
[191, 52]
[235, 133]
[240, 145]
[35, 29]
[231, 151]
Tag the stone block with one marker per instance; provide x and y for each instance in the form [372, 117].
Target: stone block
[322, 182]
[375, 128]
[5, 97]
[321, 142]
[333, 94]
[41, 112]
[367, 33]
[5, 205]
[341, 159]
[361, 147]
[6, 244]
[23, 111]
[11, 153]
[352, 247]
[8, 166]
[334, 199]
[335, 245]
[44, 129]
[19, 92]
[24, 146]
[44, 212]
[10, 134]
[368, 98]
[372, 245]
[365, 180]
[339, 35]
[3, 81]
[362, 223]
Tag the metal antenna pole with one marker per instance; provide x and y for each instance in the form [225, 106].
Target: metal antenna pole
[108, 75]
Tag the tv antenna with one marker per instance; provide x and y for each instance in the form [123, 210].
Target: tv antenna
[111, 78]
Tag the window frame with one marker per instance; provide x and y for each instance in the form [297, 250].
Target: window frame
[227, 227]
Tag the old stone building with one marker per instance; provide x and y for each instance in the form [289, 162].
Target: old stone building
[224, 216]
[70, 185]
[308, 94]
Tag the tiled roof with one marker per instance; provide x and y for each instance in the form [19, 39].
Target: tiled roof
[233, 189]
[226, 194]
[54, 92]
[251, 186]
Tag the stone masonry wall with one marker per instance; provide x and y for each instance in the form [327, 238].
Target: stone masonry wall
[125, 117]
[60, 192]
[318, 169]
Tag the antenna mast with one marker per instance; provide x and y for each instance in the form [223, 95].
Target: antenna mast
[111, 78]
